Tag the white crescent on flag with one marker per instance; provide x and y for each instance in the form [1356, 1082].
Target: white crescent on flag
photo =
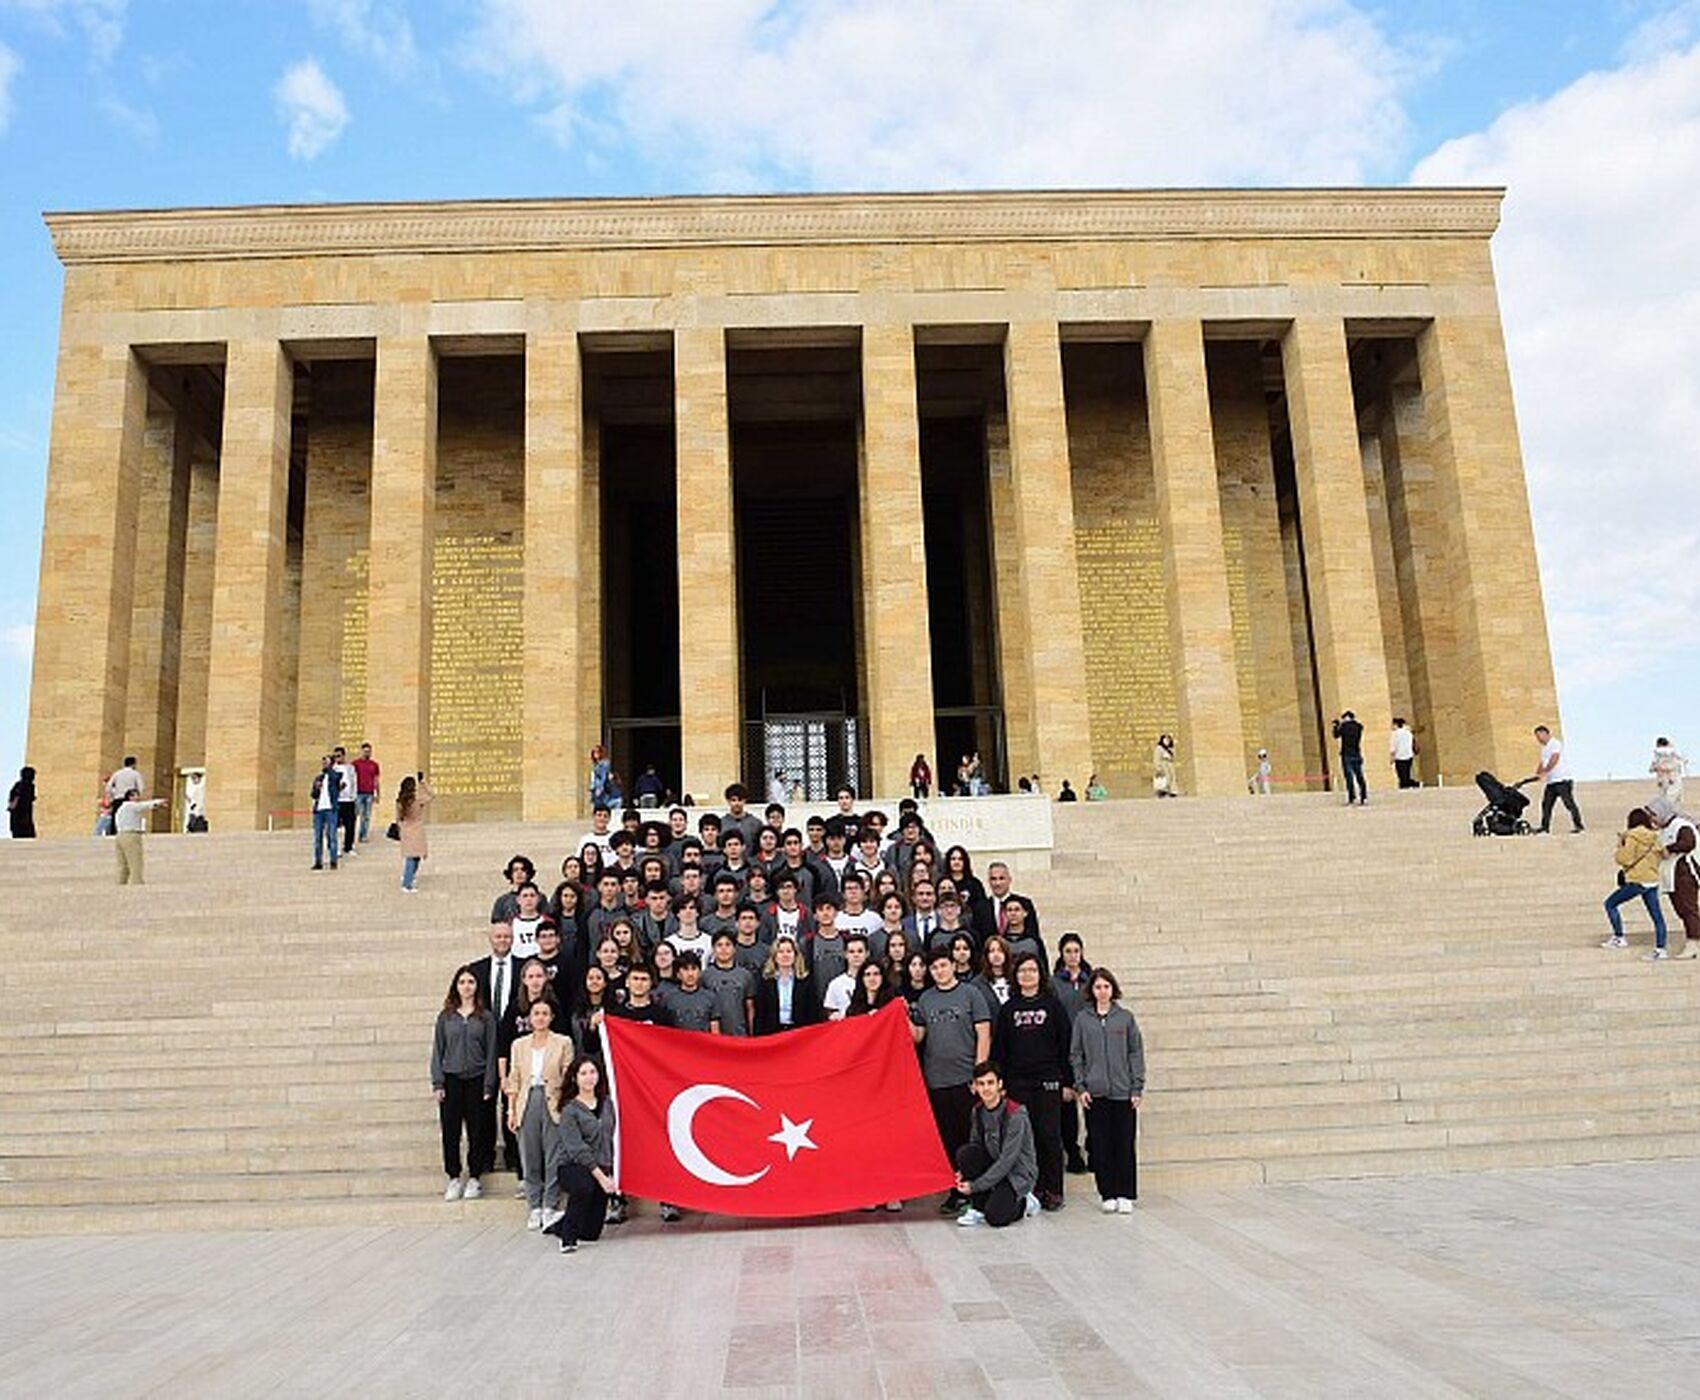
[681, 1114]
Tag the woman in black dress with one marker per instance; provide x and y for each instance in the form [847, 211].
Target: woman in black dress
[20, 805]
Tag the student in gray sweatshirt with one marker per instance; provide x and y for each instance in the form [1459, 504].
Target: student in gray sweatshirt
[998, 1165]
[586, 1162]
[1107, 1056]
[463, 1076]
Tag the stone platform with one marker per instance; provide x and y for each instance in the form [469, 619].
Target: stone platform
[1552, 1282]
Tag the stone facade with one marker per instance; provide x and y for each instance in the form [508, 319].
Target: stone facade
[334, 473]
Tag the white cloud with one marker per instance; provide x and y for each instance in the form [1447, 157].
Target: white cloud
[101, 21]
[374, 29]
[9, 66]
[1601, 302]
[891, 93]
[18, 642]
[311, 107]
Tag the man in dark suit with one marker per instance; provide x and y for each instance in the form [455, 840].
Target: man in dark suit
[497, 976]
[998, 894]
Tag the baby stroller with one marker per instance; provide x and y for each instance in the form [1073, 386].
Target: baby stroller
[1503, 815]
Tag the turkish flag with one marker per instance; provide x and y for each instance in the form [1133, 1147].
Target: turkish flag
[816, 1120]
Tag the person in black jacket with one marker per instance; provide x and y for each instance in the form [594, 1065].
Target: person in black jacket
[1030, 1039]
[1350, 733]
[787, 997]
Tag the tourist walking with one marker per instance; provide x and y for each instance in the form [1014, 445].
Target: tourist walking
[1555, 773]
[412, 803]
[327, 783]
[920, 778]
[1679, 868]
[1263, 780]
[600, 773]
[1350, 733]
[463, 1077]
[130, 822]
[1638, 859]
[20, 806]
[1668, 768]
[1163, 781]
[586, 1157]
[1107, 1055]
[366, 789]
[1402, 751]
[347, 799]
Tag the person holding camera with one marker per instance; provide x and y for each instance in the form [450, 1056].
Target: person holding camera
[1350, 733]
[412, 802]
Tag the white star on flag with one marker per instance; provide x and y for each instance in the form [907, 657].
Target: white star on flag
[793, 1137]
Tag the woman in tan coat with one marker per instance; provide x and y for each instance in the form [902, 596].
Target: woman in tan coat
[537, 1087]
[1638, 878]
[411, 802]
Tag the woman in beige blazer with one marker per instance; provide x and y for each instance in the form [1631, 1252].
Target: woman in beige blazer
[537, 1087]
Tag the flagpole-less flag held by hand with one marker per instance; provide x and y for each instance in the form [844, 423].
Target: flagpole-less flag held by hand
[810, 1122]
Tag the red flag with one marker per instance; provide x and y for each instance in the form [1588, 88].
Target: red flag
[816, 1120]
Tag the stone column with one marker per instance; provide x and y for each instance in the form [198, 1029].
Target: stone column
[1503, 664]
[245, 669]
[591, 654]
[1189, 518]
[150, 725]
[555, 666]
[899, 699]
[1345, 608]
[80, 676]
[1044, 527]
[200, 551]
[404, 502]
[709, 684]
[1015, 680]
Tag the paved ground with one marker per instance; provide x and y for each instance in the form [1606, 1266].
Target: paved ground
[1576, 1281]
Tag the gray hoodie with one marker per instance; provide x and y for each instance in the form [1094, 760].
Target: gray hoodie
[1108, 1053]
[587, 1138]
[1006, 1132]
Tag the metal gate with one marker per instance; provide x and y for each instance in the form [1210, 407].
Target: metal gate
[821, 750]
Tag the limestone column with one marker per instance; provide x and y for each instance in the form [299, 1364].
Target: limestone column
[245, 669]
[1189, 518]
[1351, 668]
[555, 666]
[404, 500]
[591, 694]
[1503, 664]
[709, 708]
[1044, 529]
[80, 676]
[150, 724]
[899, 671]
[1021, 747]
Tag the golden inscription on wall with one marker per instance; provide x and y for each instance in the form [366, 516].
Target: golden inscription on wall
[352, 707]
[477, 636]
[1130, 689]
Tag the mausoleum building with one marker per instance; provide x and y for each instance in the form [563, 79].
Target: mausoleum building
[803, 482]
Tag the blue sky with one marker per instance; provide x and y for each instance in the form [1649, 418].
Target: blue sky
[1590, 112]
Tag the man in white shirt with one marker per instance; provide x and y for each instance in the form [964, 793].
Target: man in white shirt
[601, 816]
[1555, 773]
[843, 987]
[497, 975]
[129, 823]
[1402, 749]
[347, 799]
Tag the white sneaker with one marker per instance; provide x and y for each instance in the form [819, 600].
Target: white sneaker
[452, 1192]
[1032, 1207]
[1109, 1206]
[1124, 1206]
[1657, 955]
[552, 1218]
[474, 1188]
[1615, 943]
[894, 1206]
[971, 1217]
[534, 1221]
[408, 889]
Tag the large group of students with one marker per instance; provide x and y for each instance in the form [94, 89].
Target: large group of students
[746, 926]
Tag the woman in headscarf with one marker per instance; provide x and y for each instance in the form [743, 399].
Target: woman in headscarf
[1679, 870]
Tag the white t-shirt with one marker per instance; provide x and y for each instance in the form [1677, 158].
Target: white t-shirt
[350, 783]
[590, 838]
[1402, 744]
[702, 945]
[838, 994]
[866, 922]
[1553, 749]
[525, 935]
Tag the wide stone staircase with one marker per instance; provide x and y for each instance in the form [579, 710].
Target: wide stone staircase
[1323, 992]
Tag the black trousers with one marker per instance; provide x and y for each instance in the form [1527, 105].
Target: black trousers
[1044, 1107]
[346, 812]
[463, 1108]
[510, 1139]
[1110, 1125]
[585, 1204]
[1402, 766]
[953, 1111]
[1071, 1130]
[1000, 1205]
[1555, 793]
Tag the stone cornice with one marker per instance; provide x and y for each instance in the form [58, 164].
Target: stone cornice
[498, 226]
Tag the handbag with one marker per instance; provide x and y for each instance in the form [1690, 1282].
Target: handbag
[393, 831]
